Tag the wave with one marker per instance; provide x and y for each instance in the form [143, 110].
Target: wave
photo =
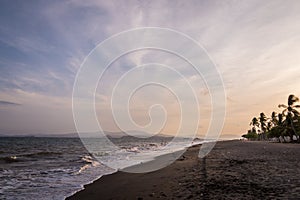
[138, 148]
[89, 162]
[24, 157]
[42, 153]
[89, 159]
[9, 159]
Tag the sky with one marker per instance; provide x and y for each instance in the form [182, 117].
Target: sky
[255, 46]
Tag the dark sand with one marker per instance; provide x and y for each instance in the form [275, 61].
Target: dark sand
[232, 170]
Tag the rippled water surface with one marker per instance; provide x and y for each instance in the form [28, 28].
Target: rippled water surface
[53, 168]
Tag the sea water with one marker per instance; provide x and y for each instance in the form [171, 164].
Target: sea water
[54, 168]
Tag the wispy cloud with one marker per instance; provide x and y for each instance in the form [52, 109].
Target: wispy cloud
[255, 45]
[9, 103]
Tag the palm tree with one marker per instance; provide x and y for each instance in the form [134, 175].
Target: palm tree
[269, 125]
[280, 119]
[274, 119]
[255, 124]
[291, 113]
[263, 125]
[281, 126]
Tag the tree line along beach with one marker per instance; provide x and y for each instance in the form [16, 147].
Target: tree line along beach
[281, 127]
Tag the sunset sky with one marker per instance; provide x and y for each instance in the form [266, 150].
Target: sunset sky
[254, 44]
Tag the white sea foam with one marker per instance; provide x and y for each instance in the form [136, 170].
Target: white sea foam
[47, 168]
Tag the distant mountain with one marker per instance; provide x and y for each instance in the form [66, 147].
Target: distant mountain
[132, 133]
[65, 135]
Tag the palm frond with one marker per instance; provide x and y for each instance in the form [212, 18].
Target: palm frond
[295, 112]
[282, 106]
[292, 99]
[284, 112]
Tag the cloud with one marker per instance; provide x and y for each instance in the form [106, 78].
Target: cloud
[28, 45]
[9, 103]
[254, 44]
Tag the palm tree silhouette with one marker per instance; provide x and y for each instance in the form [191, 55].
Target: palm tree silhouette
[291, 113]
[274, 119]
[280, 119]
[263, 125]
[254, 122]
[280, 125]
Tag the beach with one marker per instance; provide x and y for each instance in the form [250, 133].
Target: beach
[232, 170]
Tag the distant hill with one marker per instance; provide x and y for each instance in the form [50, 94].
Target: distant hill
[133, 133]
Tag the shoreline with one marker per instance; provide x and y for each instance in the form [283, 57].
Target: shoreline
[233, 169]
[155, 158]
[82, 186]
[133, 167]
[128, 170]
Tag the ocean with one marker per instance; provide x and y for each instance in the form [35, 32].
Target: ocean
[54, 168]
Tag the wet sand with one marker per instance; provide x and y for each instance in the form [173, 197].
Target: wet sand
[232, 170]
